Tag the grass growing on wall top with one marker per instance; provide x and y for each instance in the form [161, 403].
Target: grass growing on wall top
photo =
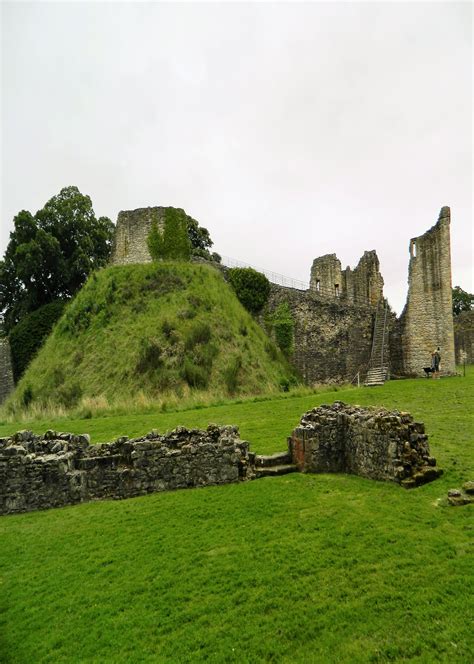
[160, 331]
[301, 568]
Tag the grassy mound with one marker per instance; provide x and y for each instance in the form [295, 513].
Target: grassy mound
[294, 569]
[160, 331]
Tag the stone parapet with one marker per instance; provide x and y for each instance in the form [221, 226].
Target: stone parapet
[370, 442]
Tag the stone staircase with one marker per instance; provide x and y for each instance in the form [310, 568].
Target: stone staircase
[274, 465]
[378, 369]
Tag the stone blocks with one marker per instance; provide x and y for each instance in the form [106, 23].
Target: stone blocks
[38, 472]
[370, 442]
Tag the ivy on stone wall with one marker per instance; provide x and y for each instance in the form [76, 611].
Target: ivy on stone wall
[284, 328]
[173, 243]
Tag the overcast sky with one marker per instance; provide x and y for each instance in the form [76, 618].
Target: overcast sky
[289, 130]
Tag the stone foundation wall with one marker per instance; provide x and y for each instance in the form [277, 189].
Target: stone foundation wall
[332, 338]
[370, 442]
[39, 472]
[6, 373]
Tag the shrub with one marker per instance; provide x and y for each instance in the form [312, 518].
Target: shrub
[199, 333]
[149, 357]
[231, 373]
[251, 287]
[70, 394]
[27, 396]
[28, 336]
[194, 375]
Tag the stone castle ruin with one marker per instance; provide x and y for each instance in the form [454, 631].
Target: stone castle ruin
[57, 469]
[343, 324]
[343, 327]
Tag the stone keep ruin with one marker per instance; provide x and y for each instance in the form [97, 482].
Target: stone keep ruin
[57, 469]
[342, 324]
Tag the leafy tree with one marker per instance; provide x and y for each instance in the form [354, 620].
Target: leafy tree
[51, 254]
[462, 301]
[27, 337]
[251, 287]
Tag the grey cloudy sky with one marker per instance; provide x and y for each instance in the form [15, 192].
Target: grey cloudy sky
[289, 130]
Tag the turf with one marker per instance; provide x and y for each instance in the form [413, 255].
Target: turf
[301, 568]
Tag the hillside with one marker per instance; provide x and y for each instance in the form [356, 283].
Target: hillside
[158, 331]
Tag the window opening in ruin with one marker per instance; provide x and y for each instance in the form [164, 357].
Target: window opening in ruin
[336, 289]
[318, 285]
[413, 249]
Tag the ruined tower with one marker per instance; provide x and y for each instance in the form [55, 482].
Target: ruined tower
[131, 233]
[427, 319]
[362, 286]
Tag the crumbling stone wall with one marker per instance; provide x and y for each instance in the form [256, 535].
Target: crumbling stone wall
[362, 286]
[370, 442]
[6, 373]
[332, 338]
[38, 472]
[427, 320]
[131, 234]
[464, 337]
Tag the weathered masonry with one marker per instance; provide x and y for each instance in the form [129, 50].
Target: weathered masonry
[57, 469]
[6, 372]
[131, 233]
[370, 442]
[427, 319]
[38, 472]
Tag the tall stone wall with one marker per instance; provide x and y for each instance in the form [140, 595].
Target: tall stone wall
[427, 320]
[38, 472]
[131, 234]
[370, 442]
[332, 338]
[6, 373]
[464, 337]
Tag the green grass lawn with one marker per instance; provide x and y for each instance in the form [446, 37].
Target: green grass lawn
[301, 568]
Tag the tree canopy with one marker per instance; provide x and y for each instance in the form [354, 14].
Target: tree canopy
[462, 301]
[51, 254]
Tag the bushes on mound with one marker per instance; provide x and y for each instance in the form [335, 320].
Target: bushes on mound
[251, 287]
[28, 336]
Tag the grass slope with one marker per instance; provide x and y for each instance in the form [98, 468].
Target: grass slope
[301, 568]
[160, 331]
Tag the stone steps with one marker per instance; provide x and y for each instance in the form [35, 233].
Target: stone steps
[274, 465]
[278, 459]
[275, 471]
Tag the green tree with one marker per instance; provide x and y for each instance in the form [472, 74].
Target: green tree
[51, 254]
[251, 287]
[462, 301]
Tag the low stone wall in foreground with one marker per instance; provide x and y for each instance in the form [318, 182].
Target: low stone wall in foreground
[370, 442]
[57, 469]
[38, 472]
